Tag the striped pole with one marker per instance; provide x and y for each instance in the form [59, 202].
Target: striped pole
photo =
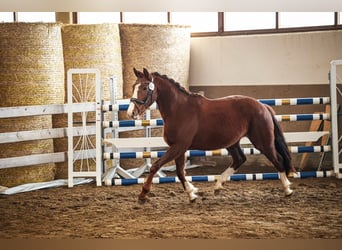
[296, 101]
[133, 123]
[202, 153]
[123, 106]
[160, 122]
[212, 178]
[270, 102]
[303, 117]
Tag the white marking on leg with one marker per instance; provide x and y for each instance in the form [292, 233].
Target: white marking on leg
[191, 190]
[223, 177]
[131, 104]
[286, 183]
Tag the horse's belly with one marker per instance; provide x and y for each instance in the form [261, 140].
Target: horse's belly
[224, 124]
[214, 141]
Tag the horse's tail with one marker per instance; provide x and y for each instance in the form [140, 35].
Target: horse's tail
[281, 145]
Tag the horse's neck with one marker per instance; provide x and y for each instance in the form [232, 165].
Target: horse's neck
[170, 100]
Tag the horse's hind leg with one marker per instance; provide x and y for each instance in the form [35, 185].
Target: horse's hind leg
[188, 187]
[276, 159]
[265, 134]
[238, 159]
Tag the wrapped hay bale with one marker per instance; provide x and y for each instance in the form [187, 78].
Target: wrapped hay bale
[89, 46]
[32, 73]
[159, 48]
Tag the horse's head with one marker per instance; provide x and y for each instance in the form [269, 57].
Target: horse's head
[144, 94]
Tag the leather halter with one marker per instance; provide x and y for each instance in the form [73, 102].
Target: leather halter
[148, 98]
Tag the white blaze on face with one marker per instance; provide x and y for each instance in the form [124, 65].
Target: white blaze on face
[131, 104]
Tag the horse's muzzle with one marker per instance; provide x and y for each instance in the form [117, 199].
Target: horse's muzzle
[132, 111]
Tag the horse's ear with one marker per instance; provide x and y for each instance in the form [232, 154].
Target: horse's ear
[146, 74]
[138, 73]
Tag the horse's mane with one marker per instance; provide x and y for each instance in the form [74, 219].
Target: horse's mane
[176, 84]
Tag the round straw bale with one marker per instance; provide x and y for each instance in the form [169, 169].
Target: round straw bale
[94, 46]
[158, 48]
[89, 46]
[32, 73]
[161, 48]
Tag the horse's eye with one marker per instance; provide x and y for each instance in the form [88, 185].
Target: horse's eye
[144, 88]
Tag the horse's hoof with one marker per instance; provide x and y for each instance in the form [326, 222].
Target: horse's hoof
[217, 192]
[192, 197]
[193, 200]
[143, 200]
[288, 192]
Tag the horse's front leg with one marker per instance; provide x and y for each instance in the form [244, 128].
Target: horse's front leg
[188, 187]
[238, 159]
[173, 152]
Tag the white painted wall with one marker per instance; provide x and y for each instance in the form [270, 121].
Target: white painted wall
[291, 58]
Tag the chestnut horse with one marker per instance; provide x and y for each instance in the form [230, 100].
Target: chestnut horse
[192, 121]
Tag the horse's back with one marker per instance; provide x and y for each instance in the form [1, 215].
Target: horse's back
[244, 111]
[224, 121]
[235, 105]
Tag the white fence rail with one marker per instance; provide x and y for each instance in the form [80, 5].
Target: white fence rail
[40, 134]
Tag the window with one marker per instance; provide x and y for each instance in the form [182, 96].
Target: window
[211, 23]
[199, 21]
[145, 17]
[234, 21]
[98, 17]
[6, 17]
[305, 19]
[36, 17]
